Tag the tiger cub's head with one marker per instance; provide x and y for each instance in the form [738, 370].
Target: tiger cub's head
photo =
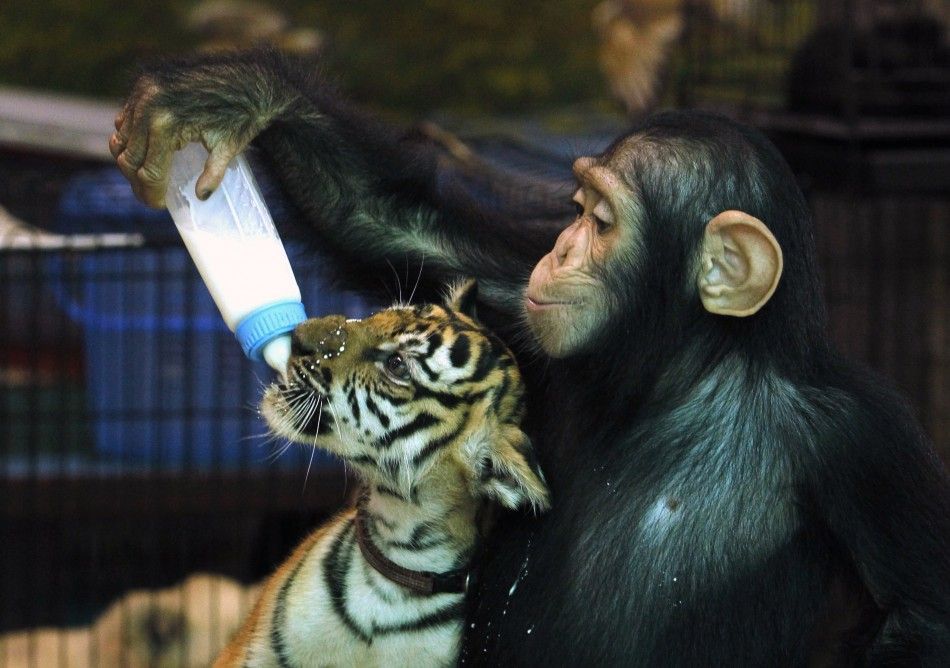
[414, 397]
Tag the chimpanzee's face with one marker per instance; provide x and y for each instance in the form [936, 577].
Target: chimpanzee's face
[567, 299]
[577, 290]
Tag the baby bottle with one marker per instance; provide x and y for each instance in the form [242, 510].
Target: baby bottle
[232, 240]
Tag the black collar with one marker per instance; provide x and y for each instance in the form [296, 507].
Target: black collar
[420, 582]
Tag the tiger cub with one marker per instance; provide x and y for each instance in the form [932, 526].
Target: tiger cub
[425, 404]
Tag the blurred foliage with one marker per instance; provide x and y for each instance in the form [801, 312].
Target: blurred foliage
[411, 56]
[85, 47]
[493, 55]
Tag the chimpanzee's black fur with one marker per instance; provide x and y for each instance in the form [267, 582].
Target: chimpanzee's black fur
[726, 491]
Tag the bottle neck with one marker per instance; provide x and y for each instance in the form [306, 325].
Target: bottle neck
[276, 353]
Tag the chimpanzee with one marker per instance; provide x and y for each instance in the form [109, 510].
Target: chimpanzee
[727, 489]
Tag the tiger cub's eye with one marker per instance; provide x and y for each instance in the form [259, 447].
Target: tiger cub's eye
[396, 366]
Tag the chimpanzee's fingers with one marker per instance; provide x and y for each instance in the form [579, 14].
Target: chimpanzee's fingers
[116, 144]
[136, 129]
[220, 155]
[152, 176]
[120, 137]
[129, 131]
[132, 157]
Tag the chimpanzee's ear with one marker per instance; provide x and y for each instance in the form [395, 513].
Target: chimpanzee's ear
[462, 297]
[508, 472]
[741, 265]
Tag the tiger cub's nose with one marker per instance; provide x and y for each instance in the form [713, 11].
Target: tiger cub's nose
[325, 337]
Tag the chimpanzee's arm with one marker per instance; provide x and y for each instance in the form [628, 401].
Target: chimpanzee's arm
[372, 195]
[886, 497]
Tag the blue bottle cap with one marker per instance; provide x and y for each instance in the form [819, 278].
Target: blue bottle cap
[263, 325]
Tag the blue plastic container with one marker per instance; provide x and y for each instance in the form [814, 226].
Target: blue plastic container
[101, 201]
[167, 384]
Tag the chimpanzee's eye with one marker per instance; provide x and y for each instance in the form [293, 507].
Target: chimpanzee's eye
[579, 208]
[396, 367]
[602, 225]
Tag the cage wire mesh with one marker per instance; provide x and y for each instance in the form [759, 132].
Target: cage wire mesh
[848, 59]
[737, 53]
[139, 509]
[141, 501]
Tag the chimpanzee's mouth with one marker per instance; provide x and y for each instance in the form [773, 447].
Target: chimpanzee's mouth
[533, 304]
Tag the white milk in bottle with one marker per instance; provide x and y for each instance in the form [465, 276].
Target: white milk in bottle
[233, 242]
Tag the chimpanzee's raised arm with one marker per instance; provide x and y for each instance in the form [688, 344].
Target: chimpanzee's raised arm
[372, 195]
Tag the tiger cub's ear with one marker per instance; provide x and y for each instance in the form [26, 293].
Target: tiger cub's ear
[462, 297]
[509, 472]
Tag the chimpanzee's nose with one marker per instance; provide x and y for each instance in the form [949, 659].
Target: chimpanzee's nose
[324, 337]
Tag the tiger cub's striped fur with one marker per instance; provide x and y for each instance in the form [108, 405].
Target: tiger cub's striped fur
[426, 405]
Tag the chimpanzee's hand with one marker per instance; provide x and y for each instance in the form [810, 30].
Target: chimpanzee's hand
[221, 102]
